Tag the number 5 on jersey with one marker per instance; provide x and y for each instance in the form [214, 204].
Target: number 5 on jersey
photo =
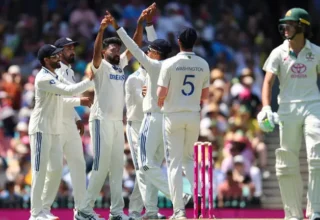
[188, 83]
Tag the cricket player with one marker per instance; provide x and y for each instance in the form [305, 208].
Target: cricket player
[70, 139]
[135, 90]
[151, 150]
[105, 122]
[183, 84]
[45, 128]
[296, 63]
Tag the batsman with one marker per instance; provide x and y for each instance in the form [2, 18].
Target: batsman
[296, 63]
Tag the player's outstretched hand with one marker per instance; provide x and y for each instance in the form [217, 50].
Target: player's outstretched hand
[143, 16]
[80, 127]
[111, 20]
[144, 91]
[86, 101]
[104, 23]
[152, 9]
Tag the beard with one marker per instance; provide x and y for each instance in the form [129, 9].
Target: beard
[55, 65]
[71, 59]
[113, 59]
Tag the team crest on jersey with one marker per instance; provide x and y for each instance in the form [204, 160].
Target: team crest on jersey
[310, 56]
[52, 82]
[298, 70]
[116, 68]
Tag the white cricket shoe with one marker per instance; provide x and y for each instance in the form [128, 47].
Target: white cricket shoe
[40, 216]
[50, 215]
[120, 217]
[135, 215]
[88, 216]
[315, 216]
[180, 214]
[160, 216]
[98, 216]
[186, 198]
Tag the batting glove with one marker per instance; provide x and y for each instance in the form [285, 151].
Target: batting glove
[266, 119]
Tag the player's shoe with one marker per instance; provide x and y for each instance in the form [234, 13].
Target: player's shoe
[149, 217]
[88, 216]
[120, 217]
[40, 216]
[135, 215]
[180, 214]
[98, 216]
[160, 216]
[315, 216]
[49, 215]
[186, 198]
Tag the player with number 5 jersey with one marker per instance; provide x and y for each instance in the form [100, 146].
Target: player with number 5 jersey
[183, 84]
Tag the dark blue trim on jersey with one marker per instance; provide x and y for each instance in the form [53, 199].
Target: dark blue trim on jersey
[143, 139]
[38, 150]
[96, 145]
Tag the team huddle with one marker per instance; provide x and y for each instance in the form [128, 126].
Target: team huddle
[162, 99]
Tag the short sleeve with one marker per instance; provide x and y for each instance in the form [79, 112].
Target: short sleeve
[95, 70]
[272, 64]
[164, 77]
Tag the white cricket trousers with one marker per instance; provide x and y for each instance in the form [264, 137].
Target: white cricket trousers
[136, 200]
[298, 120]
[73, 151]
[181, 131]
[46, 160]
[108, 145]
[151, 153]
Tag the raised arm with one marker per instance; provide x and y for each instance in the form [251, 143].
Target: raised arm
[132, 46]
[97, 51]
[138, 34]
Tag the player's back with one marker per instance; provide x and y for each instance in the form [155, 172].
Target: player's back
[188, 74]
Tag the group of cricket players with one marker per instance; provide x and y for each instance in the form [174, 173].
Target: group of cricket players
[163, 99]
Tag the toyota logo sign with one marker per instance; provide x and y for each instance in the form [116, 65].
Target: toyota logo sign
[298, 68]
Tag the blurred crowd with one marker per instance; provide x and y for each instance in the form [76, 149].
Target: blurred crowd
[235, 37]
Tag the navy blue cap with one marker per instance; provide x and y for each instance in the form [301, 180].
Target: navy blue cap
[64, 41]
[48, 50]
[160, 45]
[188, 37]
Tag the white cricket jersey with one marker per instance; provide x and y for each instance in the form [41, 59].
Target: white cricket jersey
[150, 101]
[185, 75]
[109, 90]
[134, 98]
[297, 75]
[66, 73]
[47, 114]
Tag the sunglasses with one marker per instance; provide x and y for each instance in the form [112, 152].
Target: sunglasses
[152, 50]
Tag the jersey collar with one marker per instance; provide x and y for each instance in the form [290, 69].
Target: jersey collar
[186, 53]
[64, 65]
[285, 45]
[48, 71]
